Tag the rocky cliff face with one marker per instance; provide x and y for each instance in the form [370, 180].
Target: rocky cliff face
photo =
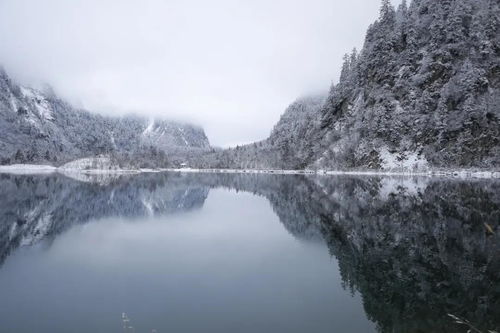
[39, 127]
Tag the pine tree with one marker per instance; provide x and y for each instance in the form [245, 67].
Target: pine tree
[353, 60]
[353, 66]
[19, 156]
[387, 12]
[344, 73]
[384, 8]
[492, 22]
[404, 6]
[457, 25]
[402, 12]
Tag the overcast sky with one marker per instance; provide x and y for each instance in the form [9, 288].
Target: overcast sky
[231, 66]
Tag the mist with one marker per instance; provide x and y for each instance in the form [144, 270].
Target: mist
[229, 66]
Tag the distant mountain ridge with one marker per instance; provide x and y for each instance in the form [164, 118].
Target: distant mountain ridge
[424, 92]
[285, 148]
[39, 127]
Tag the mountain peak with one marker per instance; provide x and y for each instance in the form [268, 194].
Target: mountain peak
[38, 127]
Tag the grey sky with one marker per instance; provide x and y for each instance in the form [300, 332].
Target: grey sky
[229, 66]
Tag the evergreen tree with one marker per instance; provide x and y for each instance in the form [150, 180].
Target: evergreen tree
[19, 157]
[387, 12]
[344, 73]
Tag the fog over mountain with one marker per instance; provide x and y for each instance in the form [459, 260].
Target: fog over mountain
[229, 66]
[39, 127]
[423, 92]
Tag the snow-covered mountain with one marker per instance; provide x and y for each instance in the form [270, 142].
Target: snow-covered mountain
[39, 127]
[424, 92]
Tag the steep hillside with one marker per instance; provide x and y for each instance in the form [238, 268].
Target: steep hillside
[39, 127]
[288, 146]
[424, 92]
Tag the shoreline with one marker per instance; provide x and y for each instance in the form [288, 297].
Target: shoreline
[27, 169]
[463, 173]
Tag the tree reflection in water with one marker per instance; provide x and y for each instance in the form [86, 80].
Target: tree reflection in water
[416, 249]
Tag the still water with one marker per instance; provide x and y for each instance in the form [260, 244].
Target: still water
[247, 253]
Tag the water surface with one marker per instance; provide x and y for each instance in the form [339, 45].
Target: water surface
[247, 253]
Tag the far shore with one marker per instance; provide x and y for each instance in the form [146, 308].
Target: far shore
[26, 169]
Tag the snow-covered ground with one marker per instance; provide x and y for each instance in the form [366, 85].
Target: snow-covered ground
[27, 169]
[402, 160]
[428, 173]
[102, 166]
[90, 163]
[282, 172]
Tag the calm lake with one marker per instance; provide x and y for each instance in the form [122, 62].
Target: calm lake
[173, 252]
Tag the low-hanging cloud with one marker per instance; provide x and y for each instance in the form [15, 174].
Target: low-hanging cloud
[230, 66]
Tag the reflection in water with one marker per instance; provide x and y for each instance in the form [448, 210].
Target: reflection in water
[414, 249]
[34, 207]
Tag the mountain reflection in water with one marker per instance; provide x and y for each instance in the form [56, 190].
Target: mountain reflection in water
[415, 249]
